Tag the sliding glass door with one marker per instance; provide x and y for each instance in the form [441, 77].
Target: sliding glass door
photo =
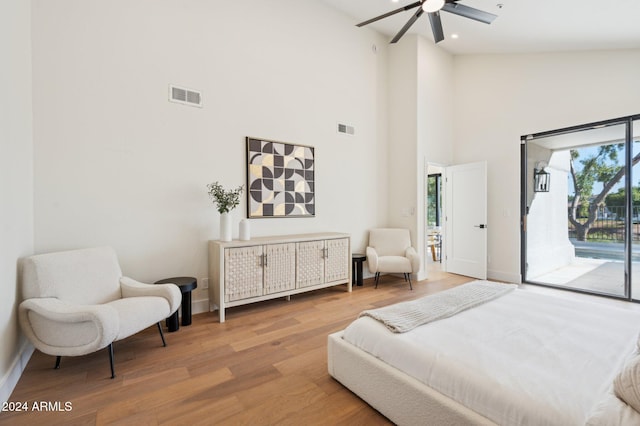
[635, 210]
[581, 208]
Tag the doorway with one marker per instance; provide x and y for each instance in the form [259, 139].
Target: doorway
[460, 200]
[434, 237]
[581, 208]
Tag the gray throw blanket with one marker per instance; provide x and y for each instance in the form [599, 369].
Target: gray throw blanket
[406, 316]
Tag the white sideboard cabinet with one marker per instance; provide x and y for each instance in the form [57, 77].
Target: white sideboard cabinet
[263, 268]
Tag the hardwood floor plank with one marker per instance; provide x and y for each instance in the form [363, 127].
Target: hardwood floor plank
[270, 404]
[283, 387]
[201, 412]
[144, 406]
[339, 409]
[267, 364]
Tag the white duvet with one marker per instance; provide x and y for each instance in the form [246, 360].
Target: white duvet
[522, 359]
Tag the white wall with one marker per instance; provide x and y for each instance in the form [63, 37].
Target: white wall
[435, 127]
[16, 181]
[435, 103]
[499, 98]
[420, 123]
[403, 134]
[117, 164]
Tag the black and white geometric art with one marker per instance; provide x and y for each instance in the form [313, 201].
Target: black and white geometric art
[280, 179]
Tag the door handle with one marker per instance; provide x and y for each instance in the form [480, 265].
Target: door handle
[481, 226]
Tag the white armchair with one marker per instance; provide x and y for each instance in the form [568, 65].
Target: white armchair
[77, 302]
[390, 251]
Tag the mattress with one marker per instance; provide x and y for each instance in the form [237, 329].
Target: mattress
[522, 359]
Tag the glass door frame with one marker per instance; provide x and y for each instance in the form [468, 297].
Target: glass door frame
[437, 196]
[628, 121]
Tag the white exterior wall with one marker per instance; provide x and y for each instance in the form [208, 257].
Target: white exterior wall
[548, 245]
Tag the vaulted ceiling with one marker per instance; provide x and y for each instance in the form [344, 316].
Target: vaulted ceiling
[522, 26]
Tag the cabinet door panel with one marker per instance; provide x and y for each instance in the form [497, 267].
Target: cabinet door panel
[337, 260]
[242, 272]
[310, 263]
[279, 267]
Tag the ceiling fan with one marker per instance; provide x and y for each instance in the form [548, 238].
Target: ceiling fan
[433, 8]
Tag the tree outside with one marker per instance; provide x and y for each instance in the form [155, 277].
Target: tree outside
[602, 168]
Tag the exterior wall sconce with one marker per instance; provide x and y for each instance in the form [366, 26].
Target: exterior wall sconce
[541, 180]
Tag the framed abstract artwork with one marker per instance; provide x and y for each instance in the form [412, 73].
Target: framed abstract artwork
[280, 179]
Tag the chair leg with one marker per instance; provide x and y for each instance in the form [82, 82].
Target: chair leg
[161, 334]
[57, 367]
[110, 350]
[409, 279]
[377, 278]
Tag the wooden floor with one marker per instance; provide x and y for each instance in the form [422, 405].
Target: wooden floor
[267, 364]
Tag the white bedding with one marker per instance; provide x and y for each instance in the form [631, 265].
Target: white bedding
[522, 359]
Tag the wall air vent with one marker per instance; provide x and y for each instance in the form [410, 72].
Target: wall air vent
[346, 129]
[185, 96]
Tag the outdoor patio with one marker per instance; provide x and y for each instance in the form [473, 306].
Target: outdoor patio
[591, 274]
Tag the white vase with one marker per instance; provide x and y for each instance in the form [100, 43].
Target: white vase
[225, 227]
[245, 230]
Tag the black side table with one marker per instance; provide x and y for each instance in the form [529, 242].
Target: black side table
[356, 268]
[186, 285]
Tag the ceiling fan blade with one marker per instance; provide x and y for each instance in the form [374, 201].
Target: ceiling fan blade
[407, 26]
[386, 15]
[436, 26]
[469, 12]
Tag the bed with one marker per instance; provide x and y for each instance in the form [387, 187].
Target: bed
[523, 358]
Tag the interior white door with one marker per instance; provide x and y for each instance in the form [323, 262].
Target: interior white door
[466, 219]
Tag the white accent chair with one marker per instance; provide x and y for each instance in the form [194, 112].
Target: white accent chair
[77, 302]
[390, 251]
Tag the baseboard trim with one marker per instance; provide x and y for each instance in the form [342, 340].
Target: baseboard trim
[10, 380]
[504, 276]
[200, 306]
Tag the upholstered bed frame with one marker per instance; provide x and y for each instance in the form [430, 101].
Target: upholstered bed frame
[398, 396]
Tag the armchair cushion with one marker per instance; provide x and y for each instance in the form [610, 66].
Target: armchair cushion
[372, 259]
[394, 264]
[88, 276]
[390, 241]
[63, 328]
[413, 257]
[138, 313]
[170, 292]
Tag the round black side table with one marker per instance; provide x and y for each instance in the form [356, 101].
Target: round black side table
[186, 285]
[356, 268]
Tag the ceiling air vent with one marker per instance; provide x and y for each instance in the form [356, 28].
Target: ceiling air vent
[346, 129]
[185, 96]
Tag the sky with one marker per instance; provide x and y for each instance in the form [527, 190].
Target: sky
[590, 151]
